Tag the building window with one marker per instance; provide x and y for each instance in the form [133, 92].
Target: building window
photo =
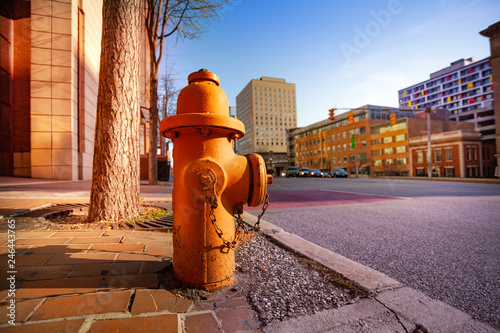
[420, 157]
[449, 171]
[401, 161]
[377, 163]
[345, 146]
[333, 160]
[376, 142]
[400, 137]
[376, 152]
[388, 139]
[401, 149]
[363, 143]
[389, 161]
[387, 151]
[448, 155]
[439, 155]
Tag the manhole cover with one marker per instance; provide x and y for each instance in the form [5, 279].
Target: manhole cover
[60, 215]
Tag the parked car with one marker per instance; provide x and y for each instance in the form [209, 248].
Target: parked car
[304, 172]
[341, 173]
[283, 173]
[292, 172]
[325, 174]
[315, 173]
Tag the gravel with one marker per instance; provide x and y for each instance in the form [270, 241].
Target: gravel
[281, 285]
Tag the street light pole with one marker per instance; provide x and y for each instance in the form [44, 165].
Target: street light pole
[429, 152]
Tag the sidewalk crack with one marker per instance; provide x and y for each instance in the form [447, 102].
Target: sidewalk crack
[394, 313]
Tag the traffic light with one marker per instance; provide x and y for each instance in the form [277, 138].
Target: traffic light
[393, 118]
[351, 118]
[332, 114]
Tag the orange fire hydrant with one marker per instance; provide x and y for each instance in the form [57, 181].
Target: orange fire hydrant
[211, 183]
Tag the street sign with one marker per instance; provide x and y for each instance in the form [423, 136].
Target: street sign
[357, 163]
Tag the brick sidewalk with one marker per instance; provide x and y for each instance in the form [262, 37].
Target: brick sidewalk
[105, 281]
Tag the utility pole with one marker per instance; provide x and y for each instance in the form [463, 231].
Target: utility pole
[429, 152]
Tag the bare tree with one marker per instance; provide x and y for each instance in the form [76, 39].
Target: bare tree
[187, 18]
[115, 180]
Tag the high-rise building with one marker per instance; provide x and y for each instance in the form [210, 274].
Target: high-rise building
[267, 107]
[464, 89]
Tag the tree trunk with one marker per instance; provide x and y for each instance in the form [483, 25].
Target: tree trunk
[153, 127]
[115, 180]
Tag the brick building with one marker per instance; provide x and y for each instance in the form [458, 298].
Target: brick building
[333, 144]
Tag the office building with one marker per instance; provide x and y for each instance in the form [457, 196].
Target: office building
[330, 144]
[493, 33]
[49, 77]
[268, 108]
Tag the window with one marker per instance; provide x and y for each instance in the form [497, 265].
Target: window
[449, 172]
[401, 161]
[448, 155]
[363, 143]
[420, 157]
[345, 146]
[389, 161]
[400, 137]
[376, 152]
[388, 151]
[401, 149]
[362, 130]
[388, 139]
[376, 142]
[439, 155]
[333, 160]
[377, 163]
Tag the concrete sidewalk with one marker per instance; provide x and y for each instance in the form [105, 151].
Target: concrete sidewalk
[109, 281]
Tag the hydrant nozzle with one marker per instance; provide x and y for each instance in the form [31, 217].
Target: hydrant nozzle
[211, 182]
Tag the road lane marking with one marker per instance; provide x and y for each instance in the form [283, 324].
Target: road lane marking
[377, 195]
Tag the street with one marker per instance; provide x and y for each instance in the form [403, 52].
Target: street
[441, 238]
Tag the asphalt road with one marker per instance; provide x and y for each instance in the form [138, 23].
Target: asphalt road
[442, 238]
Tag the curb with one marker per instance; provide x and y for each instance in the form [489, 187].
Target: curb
[398, 305]
[23, 211]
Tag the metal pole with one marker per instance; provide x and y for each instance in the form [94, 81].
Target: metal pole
[429, 152]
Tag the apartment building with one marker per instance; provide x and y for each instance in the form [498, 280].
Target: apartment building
[464, 89]
[337, 143]
[267, 106]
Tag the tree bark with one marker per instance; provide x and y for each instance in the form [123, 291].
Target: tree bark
[153, 127]
[115, 187]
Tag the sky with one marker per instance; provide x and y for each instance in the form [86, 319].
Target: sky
[342, 54]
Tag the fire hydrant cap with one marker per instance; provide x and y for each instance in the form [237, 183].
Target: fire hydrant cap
[203, 75]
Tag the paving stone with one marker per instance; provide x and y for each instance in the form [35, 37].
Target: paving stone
[32, 260]
[34, 234]
[142, 257]
[234, 320]
[94, 240]
[66, 326]
[116, 248]
[38, 241]
[155, 266]
[78, 234]
[22, 310]
[130, 240]
[129, 281]
[30, 273]
[56, 249]
[82, 258]
[18, 249]
[35, 289]
[159, 324]
[127, 268]
[201, 323]
[158, 300]
[166, 251]
[232, 303]
[68, 306]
